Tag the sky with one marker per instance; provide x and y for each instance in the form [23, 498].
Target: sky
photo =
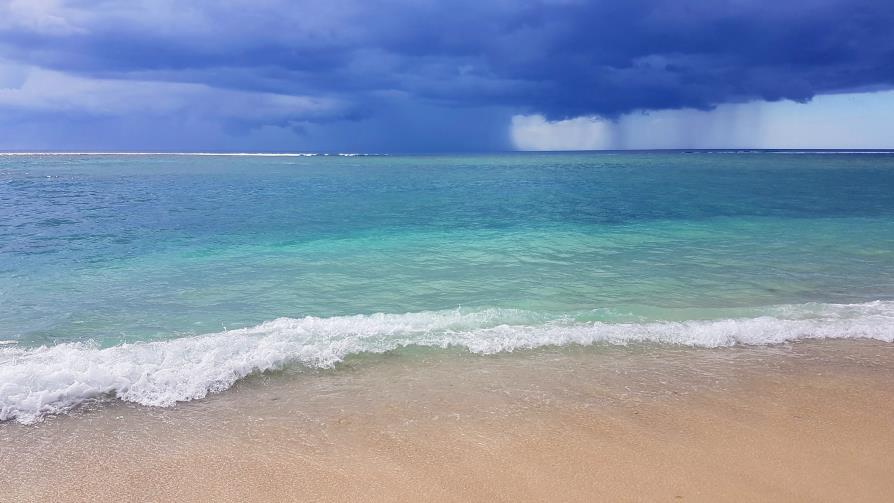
[433, 76]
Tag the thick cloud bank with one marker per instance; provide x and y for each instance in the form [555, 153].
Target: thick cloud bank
[429, 67]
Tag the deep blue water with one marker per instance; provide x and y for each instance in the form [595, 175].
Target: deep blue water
[103, 250]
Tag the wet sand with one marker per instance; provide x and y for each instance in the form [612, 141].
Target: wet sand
[811, 421]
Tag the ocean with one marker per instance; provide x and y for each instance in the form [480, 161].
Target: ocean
[158, 279]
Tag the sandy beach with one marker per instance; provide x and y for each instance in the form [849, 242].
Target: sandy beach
[466, 251]
[810, 421]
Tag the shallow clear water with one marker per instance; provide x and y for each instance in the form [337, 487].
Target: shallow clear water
[489, 252]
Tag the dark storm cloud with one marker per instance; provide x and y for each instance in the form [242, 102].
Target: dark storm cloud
[561, 58]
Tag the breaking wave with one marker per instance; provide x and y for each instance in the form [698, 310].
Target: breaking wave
[35, 382]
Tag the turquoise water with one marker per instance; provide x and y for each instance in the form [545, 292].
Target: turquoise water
[234, 264]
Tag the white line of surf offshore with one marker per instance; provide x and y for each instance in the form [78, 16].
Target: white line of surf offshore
[459, 251]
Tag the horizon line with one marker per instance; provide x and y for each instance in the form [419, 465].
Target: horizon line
[370, 154]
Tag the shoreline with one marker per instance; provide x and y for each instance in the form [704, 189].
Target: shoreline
[803, 421]
[52, 379]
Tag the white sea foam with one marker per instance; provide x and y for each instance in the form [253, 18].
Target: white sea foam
[35, 382]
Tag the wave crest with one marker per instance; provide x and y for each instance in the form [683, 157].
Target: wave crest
[35, 382]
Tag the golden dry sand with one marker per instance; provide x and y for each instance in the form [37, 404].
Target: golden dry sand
[806, 422]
